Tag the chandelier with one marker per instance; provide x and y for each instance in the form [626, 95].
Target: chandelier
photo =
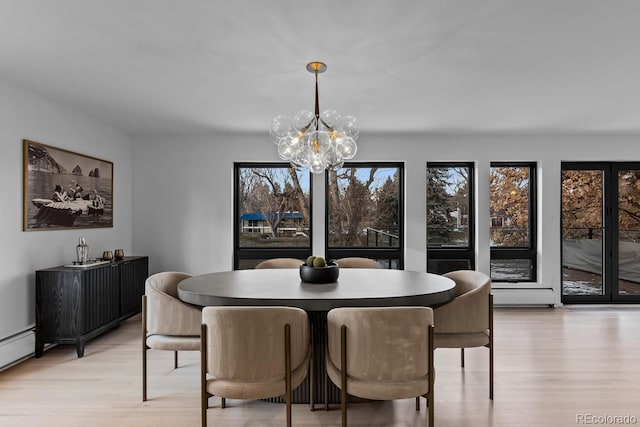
[315, 141]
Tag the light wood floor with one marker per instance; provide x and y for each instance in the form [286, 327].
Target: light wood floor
[551, 366]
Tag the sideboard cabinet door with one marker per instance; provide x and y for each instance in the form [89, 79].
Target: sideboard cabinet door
[133, 274]
[100, 290]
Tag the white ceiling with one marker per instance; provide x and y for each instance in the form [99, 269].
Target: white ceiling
[178, 66]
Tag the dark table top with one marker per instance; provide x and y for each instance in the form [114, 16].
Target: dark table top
[355, 287]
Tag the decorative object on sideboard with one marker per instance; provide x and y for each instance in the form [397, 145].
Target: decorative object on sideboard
[82, 251]
[317, 270]
[316, 142]
[118, 254]
[107, 256]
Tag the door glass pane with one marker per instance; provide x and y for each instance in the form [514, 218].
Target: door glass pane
[273, 207]
[629, 232]
[364, 206]
[582, 232]
[448, 207]
[509, 206]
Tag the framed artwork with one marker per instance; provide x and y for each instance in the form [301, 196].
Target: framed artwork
[65, 190]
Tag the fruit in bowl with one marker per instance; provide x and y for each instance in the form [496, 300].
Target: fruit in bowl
[318, 270]
[316, 261]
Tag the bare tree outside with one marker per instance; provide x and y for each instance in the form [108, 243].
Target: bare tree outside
[629, 204]
[448, 206]
[512, 228]
[581, 204]
[509, 206]
[363, 204]
[274, 207]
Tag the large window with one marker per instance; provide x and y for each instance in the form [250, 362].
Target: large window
[513, 219]
[364, 213]
[272, 213]
[450, 219]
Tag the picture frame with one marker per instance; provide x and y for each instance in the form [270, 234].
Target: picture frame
[65, 190]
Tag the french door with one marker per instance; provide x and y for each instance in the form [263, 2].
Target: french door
[600, 232]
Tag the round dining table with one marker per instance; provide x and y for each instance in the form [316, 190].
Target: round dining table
[355, 287]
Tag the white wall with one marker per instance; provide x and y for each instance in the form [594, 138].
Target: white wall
[183, 186]
[25, 115]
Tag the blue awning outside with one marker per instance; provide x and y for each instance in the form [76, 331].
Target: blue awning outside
[256, 216]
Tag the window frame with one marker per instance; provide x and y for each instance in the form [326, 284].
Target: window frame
[468, 253]
[377, 253]
[530, 252]
[240, 253]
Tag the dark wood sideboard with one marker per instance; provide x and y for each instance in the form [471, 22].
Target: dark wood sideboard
[74, 305]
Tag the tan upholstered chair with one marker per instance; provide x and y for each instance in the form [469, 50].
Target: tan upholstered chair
[467, 320]
[280, 263]
[253, 353]
[356, 262]
[383, 353]
[167, 322]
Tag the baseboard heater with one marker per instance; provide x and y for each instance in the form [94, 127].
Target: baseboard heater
[17, 347]
[530, 296]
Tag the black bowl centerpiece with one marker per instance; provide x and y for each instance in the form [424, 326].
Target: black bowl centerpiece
[317, 270]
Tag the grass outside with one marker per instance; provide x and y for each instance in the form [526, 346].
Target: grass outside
[255, 240]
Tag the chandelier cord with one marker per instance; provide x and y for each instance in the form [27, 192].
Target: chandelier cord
[317, 102]
[316, 146]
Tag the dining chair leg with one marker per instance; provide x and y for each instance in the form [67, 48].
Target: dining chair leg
[431, 392]
[175, 360]
[326, 376]
[343, 406]
[144, 374]
[203, 413]
[287, 366]
[491, 346]
[417, 403]
[312, 375]
[204, 394]
[462, 357]
[343, 374]
[144, 348]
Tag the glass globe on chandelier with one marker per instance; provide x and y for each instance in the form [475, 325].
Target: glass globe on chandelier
[315, 141]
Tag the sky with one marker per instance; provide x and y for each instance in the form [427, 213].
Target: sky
[69, 160]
